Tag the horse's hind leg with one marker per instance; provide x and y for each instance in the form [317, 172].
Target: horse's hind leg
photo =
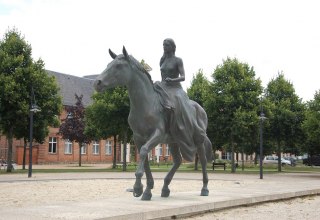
[203, 160]
[174, 149]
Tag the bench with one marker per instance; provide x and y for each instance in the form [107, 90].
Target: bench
[219, 165]
[120, 165]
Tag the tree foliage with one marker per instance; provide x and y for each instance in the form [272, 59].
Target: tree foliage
[233, 105]
[287, 116]
[108, 116]
[73, 127]
[199, 89]
[311, 125]
[19, 74]
[198, 92]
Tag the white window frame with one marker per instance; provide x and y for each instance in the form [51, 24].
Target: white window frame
[68, 145]
[83, 149]
[167, 150]
[53, 145]
[95, 148]
[108, 147]
[160, 150]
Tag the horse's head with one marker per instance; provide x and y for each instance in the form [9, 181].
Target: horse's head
[116, 73]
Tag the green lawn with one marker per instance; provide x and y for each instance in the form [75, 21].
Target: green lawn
[186, 167]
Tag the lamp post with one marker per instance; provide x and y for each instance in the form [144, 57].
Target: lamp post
[33, 109]
[262, 118]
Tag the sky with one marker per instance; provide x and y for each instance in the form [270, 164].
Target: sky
[272, 36]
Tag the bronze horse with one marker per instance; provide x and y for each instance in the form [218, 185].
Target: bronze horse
[147, 120]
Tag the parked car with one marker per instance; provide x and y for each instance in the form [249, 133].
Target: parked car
[312, 161]
[274, 160]
[293, 160]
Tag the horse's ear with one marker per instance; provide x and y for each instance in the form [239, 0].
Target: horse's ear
[113, 55]
[125, 53]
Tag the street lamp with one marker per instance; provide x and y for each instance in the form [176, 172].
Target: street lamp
[262, 118]
[33, 109]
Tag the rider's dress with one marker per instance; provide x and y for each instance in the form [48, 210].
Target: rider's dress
[183, 125]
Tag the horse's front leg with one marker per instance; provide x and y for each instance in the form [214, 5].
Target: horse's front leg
[138, 186]
[175, 152]
[151, 143]
[203, 161]
[150, 183]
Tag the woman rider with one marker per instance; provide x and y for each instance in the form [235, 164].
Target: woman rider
[181, 116]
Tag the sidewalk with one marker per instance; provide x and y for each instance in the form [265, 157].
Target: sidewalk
[226, 191]
[69, 166]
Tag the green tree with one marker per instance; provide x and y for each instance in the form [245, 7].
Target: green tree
[287, 116]
[19, 74]
[73, 127]
[233, 105]
[311, 125]
[108, 117]
[198, 91]
[45, 95]
[199, 88]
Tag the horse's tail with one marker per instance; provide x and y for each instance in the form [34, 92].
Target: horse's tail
[208, 149]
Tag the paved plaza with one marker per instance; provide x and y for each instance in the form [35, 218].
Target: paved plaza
[105, 195]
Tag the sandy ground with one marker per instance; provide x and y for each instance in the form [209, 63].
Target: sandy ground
[31, 193]
[49, 192]
[305, 208]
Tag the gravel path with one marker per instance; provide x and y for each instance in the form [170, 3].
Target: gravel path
[306, 208]
[51, 189]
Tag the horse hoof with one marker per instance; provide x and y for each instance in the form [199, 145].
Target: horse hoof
[204, 192]
[137, 190]
[146, 196]
[165, 192]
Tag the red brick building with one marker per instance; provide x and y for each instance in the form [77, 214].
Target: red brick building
[57, 150]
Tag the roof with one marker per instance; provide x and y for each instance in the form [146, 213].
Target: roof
[70, 85]
[91, 76]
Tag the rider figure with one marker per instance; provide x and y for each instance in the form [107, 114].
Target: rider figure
[172, 73]
[180, 115]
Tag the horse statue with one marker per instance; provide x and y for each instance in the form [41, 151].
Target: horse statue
[148, 122]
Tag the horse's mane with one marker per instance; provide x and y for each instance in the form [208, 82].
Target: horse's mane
[139, 66]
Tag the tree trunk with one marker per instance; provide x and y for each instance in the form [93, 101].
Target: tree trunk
[233, 166]
[279, 157]
[24, 154]
[124, 166]
[214, 154]
[9, 158]
[242, 159]
[80, 146]
[114, 161]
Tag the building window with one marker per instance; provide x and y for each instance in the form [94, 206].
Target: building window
[150, 155]
[95, 147]
[160, 150]
[167, 150]
[52, 145]
[67, 147]
[108, 147]
[226, 155]
[84, 149]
